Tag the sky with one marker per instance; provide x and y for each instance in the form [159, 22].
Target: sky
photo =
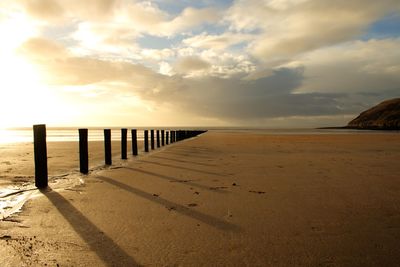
[243, 63]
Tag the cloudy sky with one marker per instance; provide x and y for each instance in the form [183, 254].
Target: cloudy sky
[261, 63]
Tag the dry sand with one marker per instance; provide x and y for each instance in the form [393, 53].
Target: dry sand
[223, 199]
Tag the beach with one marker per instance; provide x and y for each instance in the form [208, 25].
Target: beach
[224, 198]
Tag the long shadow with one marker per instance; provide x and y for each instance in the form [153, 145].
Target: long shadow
[110, 253]
[188, 154]
[184, 161]
[194, 149]
[180, 167]
[172, 179]
[207, 219]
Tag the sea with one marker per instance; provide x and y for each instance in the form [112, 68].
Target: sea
[21, 135]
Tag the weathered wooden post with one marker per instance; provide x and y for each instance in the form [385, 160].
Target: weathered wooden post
[107, 146]
[162, 137]
[83, 151]
[124, 135]
[146, 141]
[134, 142]
[152, 139]
[40, 152]
[166, 137]
[158, 138]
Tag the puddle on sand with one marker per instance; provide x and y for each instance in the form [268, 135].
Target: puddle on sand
[12, 198]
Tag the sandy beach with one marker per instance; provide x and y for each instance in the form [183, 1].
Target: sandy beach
[225, 198]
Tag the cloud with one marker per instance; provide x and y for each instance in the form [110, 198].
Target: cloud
[205, 96]
[263, 98]
[218, 42]
[353, 67]
[43, 9]
[279, 94]
[191, 64]
[60, 10]
[272, 60]
[63, 68]
[157, 54]
[189, 18]
[42, 49]
[288, 28]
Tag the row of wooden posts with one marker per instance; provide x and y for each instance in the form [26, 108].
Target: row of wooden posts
[162, 138]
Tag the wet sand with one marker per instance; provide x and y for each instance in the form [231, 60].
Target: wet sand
[17, 162]
[223, 199]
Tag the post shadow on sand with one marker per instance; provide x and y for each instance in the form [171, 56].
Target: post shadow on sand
[107, 250]
[184, 161]
[180, 167]
[207, 219]
[193, 149]
[172, 179]
[188, 154]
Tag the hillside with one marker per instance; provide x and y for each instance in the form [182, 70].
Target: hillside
[384, 116]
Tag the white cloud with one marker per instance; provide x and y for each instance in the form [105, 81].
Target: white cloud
[189, 18]
[354, 67]
[288, 28]
[222, 41]
[157, 54]
[166, 69]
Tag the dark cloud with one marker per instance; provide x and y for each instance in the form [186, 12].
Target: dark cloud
[266, 97]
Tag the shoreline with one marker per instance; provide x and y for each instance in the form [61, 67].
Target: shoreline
[358, 128]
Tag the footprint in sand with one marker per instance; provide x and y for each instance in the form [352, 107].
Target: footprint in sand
[256, 192]
[217, 187]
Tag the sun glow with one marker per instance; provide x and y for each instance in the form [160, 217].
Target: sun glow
[26, 100]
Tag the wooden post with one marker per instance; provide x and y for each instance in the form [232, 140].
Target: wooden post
[40, 152]
[107, 146]
[146, 141]
[166, 137]
[134, 142]
[83, 151]
[158, 138]
[152, 139]
[124, 134]
[162, 138]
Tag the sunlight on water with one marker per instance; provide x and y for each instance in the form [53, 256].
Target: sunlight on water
[59, 135]
[14, 136]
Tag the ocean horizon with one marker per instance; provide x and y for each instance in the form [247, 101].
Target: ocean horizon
[70, 134]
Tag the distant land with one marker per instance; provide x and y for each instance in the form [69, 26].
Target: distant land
[384, 116]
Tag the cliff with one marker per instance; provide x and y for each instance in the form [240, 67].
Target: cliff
[384, 116]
